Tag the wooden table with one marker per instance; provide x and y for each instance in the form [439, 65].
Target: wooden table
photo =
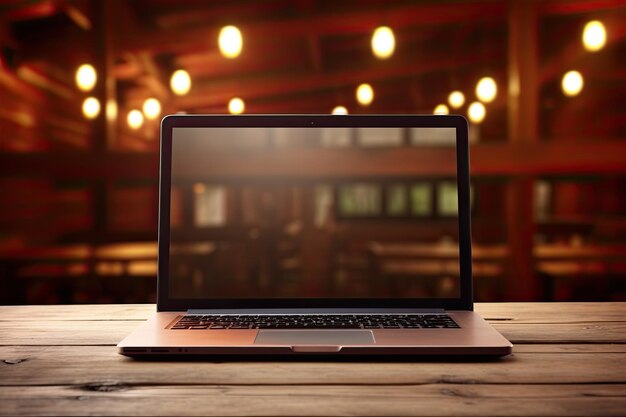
[569, 359]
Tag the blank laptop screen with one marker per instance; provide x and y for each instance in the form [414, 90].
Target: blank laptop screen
[314, 212]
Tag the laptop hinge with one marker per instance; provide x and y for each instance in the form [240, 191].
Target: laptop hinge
[286, 311]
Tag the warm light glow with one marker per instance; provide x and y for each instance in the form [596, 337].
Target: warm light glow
[340, 110]
[365, 94]
[572, 83]
[441, 109]
[152, 108]
[199, 188]
[383, 42]
[230, 42]
[486, 89]
[456, 99]
[111, 110]
[91, 107]
[236, 106]
[476, 112]
[86, 77]
[180, 82]
[594, 36]
[134, 119]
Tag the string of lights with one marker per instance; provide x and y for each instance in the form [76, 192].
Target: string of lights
[383, 45]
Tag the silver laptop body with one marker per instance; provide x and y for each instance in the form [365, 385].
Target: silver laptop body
[306, 234]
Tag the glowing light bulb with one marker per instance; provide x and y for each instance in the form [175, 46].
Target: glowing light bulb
[91, 107]
[486, 89]
[340, 110]
[441, 109]
[230, 42]
[236, 106]
[572, 83]
[383, 42]
[476, 112]
[134, 119]
[180, 82]
[365, 94]
[456, 99]
[594, 36]
[86, 77]
[152, 108]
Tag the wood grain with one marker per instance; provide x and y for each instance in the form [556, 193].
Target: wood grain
[102, 332]
[569, 359]
[371, 400]
[58, 365]
[516, 312]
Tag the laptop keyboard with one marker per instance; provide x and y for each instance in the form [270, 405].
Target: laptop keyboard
[342, 321]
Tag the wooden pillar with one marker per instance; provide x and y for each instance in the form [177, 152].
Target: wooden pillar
[105, 126]
[105, 29]
[523, 118]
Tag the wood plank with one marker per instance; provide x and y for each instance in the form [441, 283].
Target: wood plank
[553, 312]
[430, 399]
[526, 313]
[111, 332]
[75, 365]
[93, 312]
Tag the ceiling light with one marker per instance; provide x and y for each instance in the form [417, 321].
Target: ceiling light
[594, 36]
[572, 83]
[441, 109]
[152, 108]
[340, 110]
[383, 42]
[86, 77]
[91, 107]
[236, 106]
[230, 41]
[365, 94]
[486, 89]
[134, 119]
[456, 99]
[476, 112]
[180, 82]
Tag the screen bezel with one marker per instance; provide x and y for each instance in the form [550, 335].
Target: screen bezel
[464, 302]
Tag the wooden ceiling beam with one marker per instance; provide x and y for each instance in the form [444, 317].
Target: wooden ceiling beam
[562, 62]
[579, 6]
[349, 22]
[217, 92]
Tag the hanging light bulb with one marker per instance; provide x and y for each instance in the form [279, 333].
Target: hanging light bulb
[594, 36]
[180, 82]
[151, 108]
[383, 42]
[91, 107]
[572, 83]
[230, 41]
[365, 94]
[476, 112]
[86, 77]
[236, 106]
[340, 110]
[486, 89]
[456, 99]
[134, 119]
[441, 109]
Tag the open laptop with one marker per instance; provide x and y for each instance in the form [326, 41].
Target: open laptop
[302, 234]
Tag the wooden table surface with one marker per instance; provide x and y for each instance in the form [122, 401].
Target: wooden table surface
[569, 359]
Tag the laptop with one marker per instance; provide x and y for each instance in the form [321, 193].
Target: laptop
[314, 235]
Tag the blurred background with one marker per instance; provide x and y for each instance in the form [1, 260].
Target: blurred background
[84, 83]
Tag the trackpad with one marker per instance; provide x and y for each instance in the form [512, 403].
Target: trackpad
[314, 337]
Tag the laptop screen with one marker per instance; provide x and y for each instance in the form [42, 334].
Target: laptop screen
[266, 212]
